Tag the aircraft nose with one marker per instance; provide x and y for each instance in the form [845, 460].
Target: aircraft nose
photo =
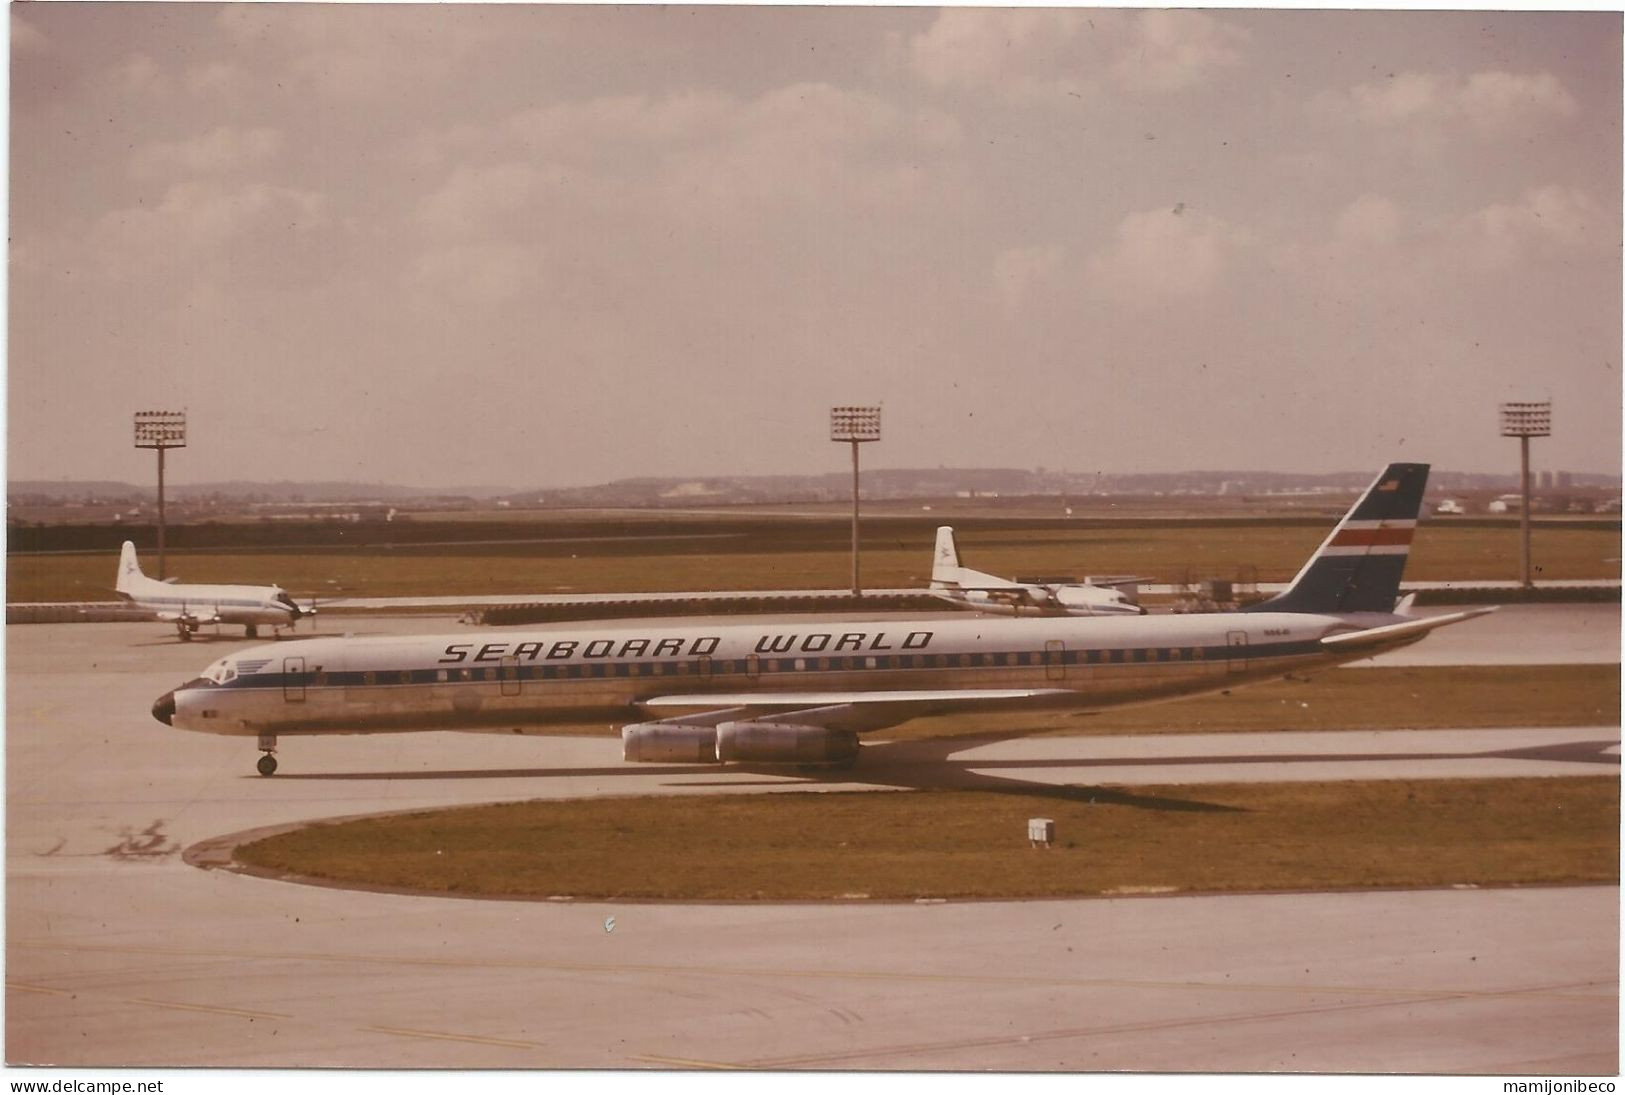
[164, 709]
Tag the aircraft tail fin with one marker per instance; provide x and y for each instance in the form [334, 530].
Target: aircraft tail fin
[945, 564]
[1359, 566]
[129, 570]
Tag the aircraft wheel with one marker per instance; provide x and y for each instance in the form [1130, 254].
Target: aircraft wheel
[253, 631]
[267, 765]
[186, 636]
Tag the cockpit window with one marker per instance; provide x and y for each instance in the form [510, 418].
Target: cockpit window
[282, 598]
[221, 672]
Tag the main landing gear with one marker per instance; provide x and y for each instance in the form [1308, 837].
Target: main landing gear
[267, 764]
[187, 629]
[253, 631]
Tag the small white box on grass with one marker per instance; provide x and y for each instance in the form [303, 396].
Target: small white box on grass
[1041, 831]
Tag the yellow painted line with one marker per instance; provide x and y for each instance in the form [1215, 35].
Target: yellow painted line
[684, 1062]
[1558, 992]
[408, 1033]
[241, 1013]
[20, 987]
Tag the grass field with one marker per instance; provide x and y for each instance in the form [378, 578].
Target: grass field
[1170, 552]
[965, 844]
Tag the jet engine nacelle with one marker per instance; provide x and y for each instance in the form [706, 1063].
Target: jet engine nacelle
[774, 742]
[652, 741]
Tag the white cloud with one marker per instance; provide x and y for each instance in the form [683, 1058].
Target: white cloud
[578, 129]
[139, 74]
[1369, 220]
[205, 222]
[1173, 50]
[661, 162]
[359, 51]
[213, 78]
[1490, 102]
[1545, 219]
[1027, 53]
[484, 273]
[1020, 271]
[220, 151]
[1161, 253]
[478, 201]
[1375, 249]
[980, 47]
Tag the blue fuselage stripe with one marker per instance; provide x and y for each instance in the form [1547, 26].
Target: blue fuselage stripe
[715, 668]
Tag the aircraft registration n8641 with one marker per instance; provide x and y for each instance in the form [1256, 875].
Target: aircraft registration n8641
[779, 691]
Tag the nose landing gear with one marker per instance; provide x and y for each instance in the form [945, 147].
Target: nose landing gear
[267, 764]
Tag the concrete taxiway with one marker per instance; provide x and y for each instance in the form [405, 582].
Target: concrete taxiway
[118, 953]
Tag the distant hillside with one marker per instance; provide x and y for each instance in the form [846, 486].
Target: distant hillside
[878, 483]
[902, 483]
[235, 491]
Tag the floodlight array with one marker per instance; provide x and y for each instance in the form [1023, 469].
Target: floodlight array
[1526, 419]
[160, 429]
[854, 423]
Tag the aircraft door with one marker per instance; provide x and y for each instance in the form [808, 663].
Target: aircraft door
[705, 667]
[1055, 660]
[508, 674]
[753, 667]
[1236, 650]
[293, 680]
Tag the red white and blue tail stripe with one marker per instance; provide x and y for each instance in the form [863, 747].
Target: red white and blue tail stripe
[1359, 566]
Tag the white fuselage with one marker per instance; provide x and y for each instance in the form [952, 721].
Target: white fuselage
[520, 679]
[191, 606]
[1018, 599]
[214, 603]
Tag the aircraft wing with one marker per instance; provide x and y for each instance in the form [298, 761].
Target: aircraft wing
[188, 617]
[858, 711]
[1114, 580]
[1408, 631]
[1009, 594]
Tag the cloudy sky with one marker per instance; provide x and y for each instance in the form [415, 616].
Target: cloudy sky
[553, 245]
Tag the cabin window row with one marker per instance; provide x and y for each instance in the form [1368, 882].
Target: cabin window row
[740, 666]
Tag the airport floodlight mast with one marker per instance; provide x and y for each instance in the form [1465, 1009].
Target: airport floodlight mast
[161, 430]
[856, 425]
[1523, 421]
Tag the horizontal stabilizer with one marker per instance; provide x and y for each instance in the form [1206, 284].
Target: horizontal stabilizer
[1392, 633]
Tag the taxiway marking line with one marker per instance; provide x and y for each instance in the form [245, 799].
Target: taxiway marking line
[1549, 992]
[20, 987]
[1017, 1041]
[685, 1062]
[241, 1013]
[407, 1032]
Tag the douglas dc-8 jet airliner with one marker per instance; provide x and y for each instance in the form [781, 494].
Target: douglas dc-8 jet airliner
[191, 606]
[801, 692]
